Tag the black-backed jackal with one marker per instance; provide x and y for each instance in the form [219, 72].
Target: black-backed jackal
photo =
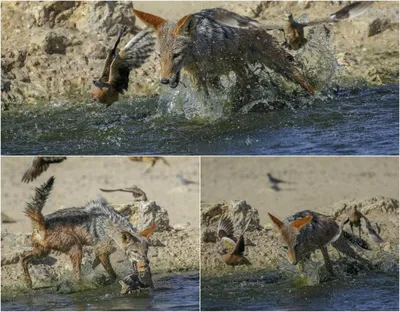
[69, 230]
[306, 231]
[206, 49]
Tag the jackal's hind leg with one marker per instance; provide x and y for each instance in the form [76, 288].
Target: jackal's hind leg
[359, 231]
[327, 260]
[35, 253]
[75, 254]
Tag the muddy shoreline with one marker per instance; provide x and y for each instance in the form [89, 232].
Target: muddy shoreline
[39, 40]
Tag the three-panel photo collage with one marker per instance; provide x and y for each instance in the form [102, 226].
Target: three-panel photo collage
[199, 155]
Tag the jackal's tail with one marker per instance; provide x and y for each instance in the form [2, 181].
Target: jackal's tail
[34, 209]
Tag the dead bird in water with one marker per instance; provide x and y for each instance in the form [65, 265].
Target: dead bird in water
[114, 79]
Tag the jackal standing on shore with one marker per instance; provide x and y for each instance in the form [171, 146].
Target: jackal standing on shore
[306, 231]
[69, 230]
[206, 49]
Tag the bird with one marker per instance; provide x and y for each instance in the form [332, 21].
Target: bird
[138, 194]
[114, 79]
[184, 181]
[232, 247]
[39, 165]
[354, 217]
[293, 30]
[152, 160]
[274, 182]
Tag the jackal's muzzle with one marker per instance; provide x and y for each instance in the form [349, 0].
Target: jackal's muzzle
[173, 83]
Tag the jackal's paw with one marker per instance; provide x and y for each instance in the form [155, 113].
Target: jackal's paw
[103, 280]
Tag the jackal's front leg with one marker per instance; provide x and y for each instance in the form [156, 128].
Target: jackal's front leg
[327, 260]
[35, 253]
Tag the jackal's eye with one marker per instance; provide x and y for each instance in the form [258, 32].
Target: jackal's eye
[285, 247]
[176, 55]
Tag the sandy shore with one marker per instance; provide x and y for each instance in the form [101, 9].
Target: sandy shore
[315, 182]
[78, 180]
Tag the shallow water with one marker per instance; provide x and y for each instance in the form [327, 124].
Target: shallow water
[179, 292]
[349, 123]
[373, 292]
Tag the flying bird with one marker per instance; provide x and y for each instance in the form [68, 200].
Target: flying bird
[138, 194]
[114, 79]
[293, 30]
[38, 166]
[152, 160]
[184, 181]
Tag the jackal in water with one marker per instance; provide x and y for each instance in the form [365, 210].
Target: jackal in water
[306, 231]
[206, 49]
[69, 230]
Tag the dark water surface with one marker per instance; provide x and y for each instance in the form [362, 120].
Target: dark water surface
[374, 292]
[179, 292]
[365, 122]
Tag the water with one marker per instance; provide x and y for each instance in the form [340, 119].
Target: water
[353, 122]
[372, 292]
[179, 292]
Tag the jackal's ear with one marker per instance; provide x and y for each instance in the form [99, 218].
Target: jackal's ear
[147, 232]
[150, 19]
[186, 26]
[276, 221]
[299, 223]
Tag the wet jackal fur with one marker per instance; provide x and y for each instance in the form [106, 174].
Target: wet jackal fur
[206, 49]
[69, 230]
[306, 231]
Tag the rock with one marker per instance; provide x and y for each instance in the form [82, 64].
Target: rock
[55, 43]
[107, 17]
[144, 214]
[379, 25]
[180, 226]
[239, 211]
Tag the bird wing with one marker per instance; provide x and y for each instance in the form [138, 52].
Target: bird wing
[132, 56]
[38, 166]
[372, 233]
[234, 20]
[239, 247]
[349, 11]
[225, 228]
[111, 56]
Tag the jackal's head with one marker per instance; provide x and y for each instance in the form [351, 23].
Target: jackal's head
[289, 233]
[175, 39]
[288, 16]
[136, 248]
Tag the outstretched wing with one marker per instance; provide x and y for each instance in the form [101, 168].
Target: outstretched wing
[349, 11]
[239, 248]
[225, 228]
[111, 56]
[38, 166]
[231, 19]
[132, 56]
[227, 245]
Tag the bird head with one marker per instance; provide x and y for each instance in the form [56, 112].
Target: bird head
[103, 94]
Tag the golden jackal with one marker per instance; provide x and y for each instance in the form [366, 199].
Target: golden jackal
[306, 231]
[206, 49]
[68, 230]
